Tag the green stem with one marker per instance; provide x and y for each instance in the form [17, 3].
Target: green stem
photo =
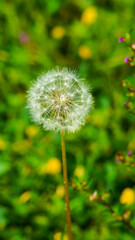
[65, 178]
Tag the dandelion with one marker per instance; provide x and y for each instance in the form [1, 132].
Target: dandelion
[31, 131]
[25, 197]
[89, 16]
[53, 166]
[58, 32]
[127, 196]
[60, 101]
[84, 52]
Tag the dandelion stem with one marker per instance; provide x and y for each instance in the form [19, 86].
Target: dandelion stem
[65, 178]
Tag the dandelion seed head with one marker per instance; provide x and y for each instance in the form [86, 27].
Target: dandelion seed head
[59, 100]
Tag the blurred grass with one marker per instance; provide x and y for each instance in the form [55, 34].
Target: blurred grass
[35, 36]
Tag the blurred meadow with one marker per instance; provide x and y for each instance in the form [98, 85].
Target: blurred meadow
[36, 36]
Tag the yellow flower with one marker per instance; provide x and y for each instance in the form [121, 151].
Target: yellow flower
[84, 52]
[89, 15]
[57, 236]
[31, 131]
[58, 32]
[53, 166]
[60, 191]
[127, 196]
[2, 144]
[131, 94]
[79, 171]
[25, 197]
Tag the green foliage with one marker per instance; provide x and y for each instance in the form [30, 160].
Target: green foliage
[35, 36]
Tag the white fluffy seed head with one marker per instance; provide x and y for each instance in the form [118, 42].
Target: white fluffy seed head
[59, 100]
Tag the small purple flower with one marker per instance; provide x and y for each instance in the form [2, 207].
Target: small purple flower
[129, 153]
[24, 38]
[126, 59]
[125, 103]
[121, 39]
[117, 159]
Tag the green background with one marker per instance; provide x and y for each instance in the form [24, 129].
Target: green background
[28, 48]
